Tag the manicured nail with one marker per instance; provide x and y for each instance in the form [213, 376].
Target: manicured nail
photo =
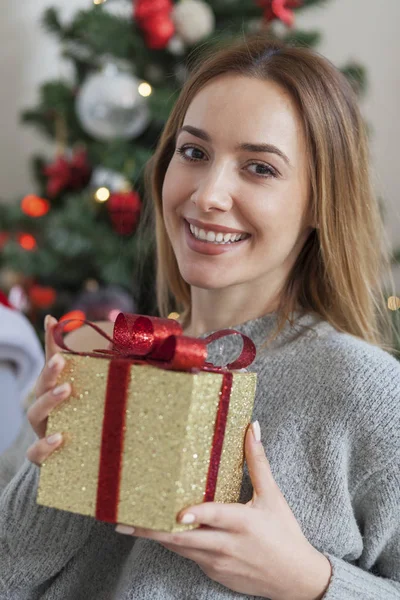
[125, 529]
[187, 518]
[56, 361]
[54, 439]
[61, 389]
[256, 431]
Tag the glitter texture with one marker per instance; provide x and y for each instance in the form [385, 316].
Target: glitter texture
[169, 429]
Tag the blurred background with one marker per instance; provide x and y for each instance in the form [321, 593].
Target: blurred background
[87, 87]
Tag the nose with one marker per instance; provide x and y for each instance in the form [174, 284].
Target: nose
[213, 191]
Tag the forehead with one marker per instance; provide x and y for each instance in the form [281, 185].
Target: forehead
[244, 109]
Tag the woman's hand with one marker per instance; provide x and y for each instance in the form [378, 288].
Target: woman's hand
[256, 549]
[47, 397]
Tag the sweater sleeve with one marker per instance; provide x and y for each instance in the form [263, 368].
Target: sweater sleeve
[36, 542]
[377, 576]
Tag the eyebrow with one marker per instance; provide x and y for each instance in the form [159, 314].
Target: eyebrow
[270, 148]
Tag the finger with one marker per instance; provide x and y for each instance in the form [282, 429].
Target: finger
[264, 485]
[49, 375]
[51, 347]
[39, 411]
[200, 539]
[203, 558]
[41, 450]
[228, 517]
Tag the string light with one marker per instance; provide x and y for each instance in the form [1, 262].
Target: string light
[145, 89]
[27, 241]
[102, 194]
[97, 2]
[33, 206]
[394, 303]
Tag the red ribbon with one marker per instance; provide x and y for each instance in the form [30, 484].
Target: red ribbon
[159, 342]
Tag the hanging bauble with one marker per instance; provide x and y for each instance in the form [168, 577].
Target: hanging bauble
[154, 19]
[110, 106]
[124, 209]
[41, 297]
[194, 20]
[68, 172]
[279, 9]
[112, 180]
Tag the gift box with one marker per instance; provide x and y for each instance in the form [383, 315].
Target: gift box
[148, 433]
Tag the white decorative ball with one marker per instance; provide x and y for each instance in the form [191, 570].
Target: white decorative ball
[109, 105]
[194, 20]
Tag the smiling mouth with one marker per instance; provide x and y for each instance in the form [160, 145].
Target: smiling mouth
[216, 237]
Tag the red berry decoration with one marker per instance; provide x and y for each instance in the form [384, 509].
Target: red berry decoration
[68, 174]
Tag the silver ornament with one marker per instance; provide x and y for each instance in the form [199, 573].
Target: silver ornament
[112, 180]
[110, 106]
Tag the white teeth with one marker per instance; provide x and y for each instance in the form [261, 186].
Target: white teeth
[214, 237]
[211, 236]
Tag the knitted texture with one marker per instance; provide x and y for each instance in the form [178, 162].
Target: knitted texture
[329, 410]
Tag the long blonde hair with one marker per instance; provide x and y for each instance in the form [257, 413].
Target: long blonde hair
[338, 274]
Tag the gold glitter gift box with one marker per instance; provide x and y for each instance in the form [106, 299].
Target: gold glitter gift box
[176, 442]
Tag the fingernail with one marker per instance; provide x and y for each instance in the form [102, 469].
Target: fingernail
[56, 361]
[187, 518]
[46, 322]
[125, 529]
[256, 431]
[61, 389]
[54, 439]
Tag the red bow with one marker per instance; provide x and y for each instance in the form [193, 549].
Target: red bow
[159, 342]
[279, 9]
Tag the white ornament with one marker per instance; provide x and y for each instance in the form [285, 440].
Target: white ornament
[109, 105]
[194, 20]
[112, 180]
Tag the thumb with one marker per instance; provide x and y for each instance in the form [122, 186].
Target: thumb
[258, 464]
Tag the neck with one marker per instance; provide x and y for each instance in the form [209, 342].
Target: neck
[219, 309]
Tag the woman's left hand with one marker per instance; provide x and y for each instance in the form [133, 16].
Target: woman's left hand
[256, 548]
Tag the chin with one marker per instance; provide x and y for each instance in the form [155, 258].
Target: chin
[203, 280]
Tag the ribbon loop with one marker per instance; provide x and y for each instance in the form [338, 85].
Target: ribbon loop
[159, 342]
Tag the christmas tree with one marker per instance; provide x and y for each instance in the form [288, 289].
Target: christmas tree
[73, 244]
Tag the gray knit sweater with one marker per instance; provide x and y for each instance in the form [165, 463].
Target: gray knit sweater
[329, 409]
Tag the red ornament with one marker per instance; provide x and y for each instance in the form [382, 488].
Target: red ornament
[42, 297]
[124, 208]
[68, 174]
[154, 19]
[27, 241]
[33, 206]
[279, 9]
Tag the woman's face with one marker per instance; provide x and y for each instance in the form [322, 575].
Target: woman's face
[235, 212]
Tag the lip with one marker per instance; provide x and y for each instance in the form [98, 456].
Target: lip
[207, 247]
[212, 226]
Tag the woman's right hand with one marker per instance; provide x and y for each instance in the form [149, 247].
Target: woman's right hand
[47, 397]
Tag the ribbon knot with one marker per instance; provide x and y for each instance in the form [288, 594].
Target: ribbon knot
[159, 342]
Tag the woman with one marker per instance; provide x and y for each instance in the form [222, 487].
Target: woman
[266, 222]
